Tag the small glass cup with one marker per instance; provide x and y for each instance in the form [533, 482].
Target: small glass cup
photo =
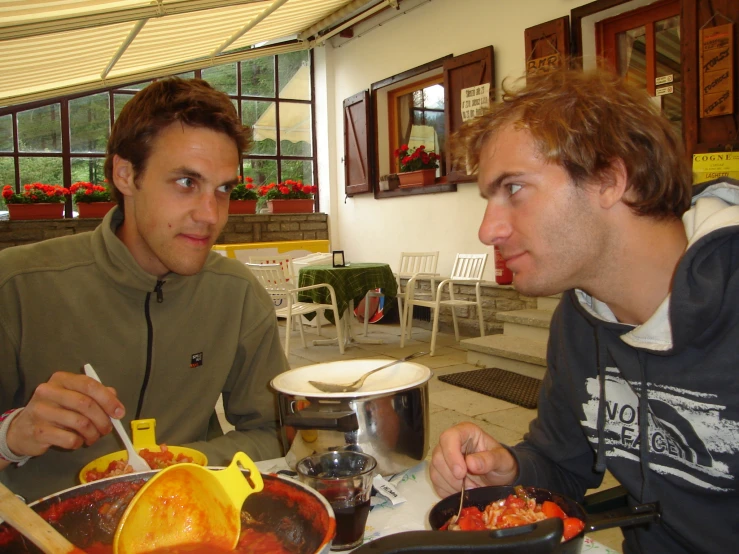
[344, 478]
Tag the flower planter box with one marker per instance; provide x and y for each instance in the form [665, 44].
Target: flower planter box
[93, 209]
[293, 206]
[242, 206]
[417, 178]
[46, 210]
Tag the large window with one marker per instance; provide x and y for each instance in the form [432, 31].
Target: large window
[62, 141]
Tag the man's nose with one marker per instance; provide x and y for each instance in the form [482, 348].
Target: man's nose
[207, 209]
[496, 224]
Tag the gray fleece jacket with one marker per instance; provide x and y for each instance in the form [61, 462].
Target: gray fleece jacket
[168, 347]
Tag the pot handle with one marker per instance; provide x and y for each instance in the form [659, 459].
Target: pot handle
[334, 421]
[610, 508]
[538, 538]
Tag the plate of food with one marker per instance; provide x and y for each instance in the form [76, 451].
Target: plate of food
[157, 455]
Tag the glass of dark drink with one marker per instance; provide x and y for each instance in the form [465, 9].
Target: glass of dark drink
[344, 478]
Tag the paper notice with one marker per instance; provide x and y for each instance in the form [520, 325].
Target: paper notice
[475, 101]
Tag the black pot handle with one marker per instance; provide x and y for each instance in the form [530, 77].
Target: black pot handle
[538, 538]
[610, 508]
[344, 422]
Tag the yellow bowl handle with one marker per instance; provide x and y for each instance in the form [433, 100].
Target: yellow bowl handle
[144, 433]
[235, 483]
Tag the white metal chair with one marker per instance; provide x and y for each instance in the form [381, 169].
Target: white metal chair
[411, 264]
[467, 270]
[273, 279]
[285, 261]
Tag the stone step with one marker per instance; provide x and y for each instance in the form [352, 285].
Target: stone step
[548, 302]
[529, 324]
[524, 356]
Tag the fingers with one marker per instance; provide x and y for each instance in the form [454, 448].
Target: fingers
[67, 411]
[486, 463]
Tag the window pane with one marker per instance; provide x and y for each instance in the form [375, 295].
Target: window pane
[188, 75]
[137, 86]
[632, 63]
[89, 119]
[262, 171]
[88, 169]
[433, 97]
[294, 75]
[222, 77]
[298, 170]
[295, 129]
[41, 170]
[667, 38]
[258, 77]
[7, 172]
[120, 100]
[6, 133]
[39, 130]
[260, 116]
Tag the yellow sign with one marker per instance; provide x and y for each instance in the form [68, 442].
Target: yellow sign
[713, 165]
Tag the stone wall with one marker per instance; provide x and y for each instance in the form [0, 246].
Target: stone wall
[240, 228]
[494, 298]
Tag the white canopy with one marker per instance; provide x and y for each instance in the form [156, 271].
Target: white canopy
[51, 48]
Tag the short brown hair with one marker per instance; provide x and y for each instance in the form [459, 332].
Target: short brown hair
[191, 102]
[584, 121]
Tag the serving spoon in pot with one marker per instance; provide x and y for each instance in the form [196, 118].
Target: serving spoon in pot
[32, 526]
[355, 385]
[134, 460]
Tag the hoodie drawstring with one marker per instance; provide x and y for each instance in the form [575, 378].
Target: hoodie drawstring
[600, 459]
[644, 427]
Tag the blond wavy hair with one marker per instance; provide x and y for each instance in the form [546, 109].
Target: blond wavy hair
[584, 121]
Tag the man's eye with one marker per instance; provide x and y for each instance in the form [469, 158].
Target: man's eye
[186, 182]
[226, 188]
[513, 188]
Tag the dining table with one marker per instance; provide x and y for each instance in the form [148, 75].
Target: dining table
[351, 283]
[417, 497]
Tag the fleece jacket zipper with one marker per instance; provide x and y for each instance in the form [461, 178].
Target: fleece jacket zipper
[149, 342]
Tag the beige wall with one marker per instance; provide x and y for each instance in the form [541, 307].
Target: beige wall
[378, 230]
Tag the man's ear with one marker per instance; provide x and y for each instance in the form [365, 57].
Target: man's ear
[613, 184]
[123, 177]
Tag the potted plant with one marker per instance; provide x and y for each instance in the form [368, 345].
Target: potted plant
[288, 197]
[37, 201]
[244, 197]
[417, 167]
[92, 200]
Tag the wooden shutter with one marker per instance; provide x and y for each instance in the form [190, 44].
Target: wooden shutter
[357, 171]
[547, 44]
[707, 134]
[465, 71]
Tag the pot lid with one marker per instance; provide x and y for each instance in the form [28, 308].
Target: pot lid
[396, 378]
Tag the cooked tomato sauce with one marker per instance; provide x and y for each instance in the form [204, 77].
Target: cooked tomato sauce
[513, 511]
[156, 460]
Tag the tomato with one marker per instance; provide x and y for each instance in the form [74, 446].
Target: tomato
[550, 509]
[471, 519]
[573, 526]
[514, 502]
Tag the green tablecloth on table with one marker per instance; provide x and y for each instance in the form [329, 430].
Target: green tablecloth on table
[350, 283]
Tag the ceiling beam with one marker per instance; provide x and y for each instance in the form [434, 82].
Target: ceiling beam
[338, 15]
[57, 24]
[249, 26]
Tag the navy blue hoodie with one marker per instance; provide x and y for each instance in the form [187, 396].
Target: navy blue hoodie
[685, 362]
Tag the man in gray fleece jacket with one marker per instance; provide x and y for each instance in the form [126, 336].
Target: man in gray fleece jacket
[167, 324]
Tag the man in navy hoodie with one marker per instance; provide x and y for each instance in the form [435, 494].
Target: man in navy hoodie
[588, 191]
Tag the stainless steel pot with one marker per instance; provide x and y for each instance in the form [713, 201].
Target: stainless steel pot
[388, 418]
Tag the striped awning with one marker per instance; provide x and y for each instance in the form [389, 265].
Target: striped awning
[52, 48]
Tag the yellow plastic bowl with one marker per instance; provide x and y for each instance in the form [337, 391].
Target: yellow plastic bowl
[144, 436]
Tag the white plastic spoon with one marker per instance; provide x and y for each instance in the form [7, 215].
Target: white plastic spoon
[134, 460]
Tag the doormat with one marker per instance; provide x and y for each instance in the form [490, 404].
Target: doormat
[498, 383]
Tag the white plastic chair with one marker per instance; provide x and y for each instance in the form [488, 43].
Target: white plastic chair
[467, 270]
[411, 264]
[285, 261]
[272, 278]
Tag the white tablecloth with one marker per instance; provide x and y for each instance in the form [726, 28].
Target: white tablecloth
[412, 515]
